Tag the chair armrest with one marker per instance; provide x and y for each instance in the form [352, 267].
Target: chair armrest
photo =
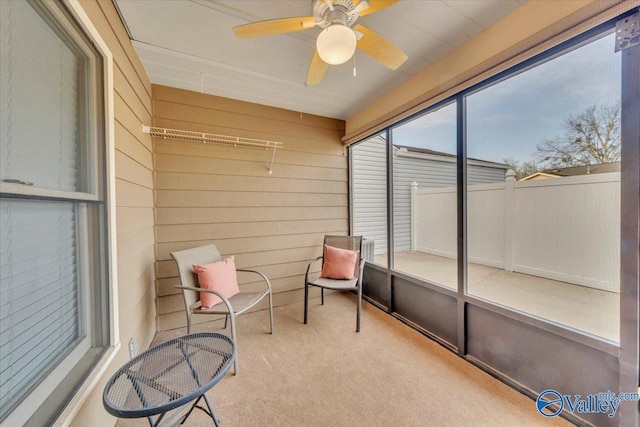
[306, 275]
[188, 288]
[209, 291]
[264, 277]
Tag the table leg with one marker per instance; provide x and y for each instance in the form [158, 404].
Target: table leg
[196, 377]
[209, 412]
[191, 410]
[158, 420]
[213, 414]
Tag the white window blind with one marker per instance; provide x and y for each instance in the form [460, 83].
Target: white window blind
[39, 110]
[39, 293]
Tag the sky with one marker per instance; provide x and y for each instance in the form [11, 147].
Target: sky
[511, 117]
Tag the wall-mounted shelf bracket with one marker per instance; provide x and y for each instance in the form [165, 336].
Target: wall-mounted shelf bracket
[210, 138]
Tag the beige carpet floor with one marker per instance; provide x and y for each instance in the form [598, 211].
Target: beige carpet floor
[326, 374]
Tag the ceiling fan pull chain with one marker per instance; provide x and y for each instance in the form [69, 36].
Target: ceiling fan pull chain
[354, 64]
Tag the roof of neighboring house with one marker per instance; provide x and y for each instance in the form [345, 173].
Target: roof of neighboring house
[538, 175]
[452, 156]
[574, 171]
[424, 151]
[584, 170]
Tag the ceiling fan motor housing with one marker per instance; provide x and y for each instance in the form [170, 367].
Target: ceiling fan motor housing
[339, 15]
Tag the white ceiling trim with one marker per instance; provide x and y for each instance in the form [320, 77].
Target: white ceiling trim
[211, 63]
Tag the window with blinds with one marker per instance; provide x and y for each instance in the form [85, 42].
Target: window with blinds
[51, 206]
[39, 297]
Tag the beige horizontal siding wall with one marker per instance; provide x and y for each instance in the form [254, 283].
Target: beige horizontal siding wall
[209, 193]
[134, 202]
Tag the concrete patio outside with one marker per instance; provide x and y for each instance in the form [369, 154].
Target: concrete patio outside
[586, 309]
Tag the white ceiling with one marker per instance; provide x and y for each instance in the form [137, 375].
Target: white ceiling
[190, 44]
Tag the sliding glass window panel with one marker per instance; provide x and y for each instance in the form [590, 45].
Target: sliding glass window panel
[369, 197]
[544, 239]
[425, 196]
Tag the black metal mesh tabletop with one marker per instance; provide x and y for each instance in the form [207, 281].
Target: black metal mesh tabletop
[169, 375]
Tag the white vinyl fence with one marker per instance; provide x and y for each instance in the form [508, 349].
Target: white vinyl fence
[565, 229]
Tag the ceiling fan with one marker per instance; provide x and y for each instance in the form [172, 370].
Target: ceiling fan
[340, 36]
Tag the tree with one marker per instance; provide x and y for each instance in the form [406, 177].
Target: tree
[522, 168]
[589, 138]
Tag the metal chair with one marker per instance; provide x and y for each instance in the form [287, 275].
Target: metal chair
[355, 284]
[230, 307]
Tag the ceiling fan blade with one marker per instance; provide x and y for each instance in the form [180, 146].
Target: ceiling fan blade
[317, 68]
[275, 26]
[379, 48]
[375, 6]
[358, 6]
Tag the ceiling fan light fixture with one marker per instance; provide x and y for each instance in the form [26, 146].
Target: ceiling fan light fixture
[336, 44]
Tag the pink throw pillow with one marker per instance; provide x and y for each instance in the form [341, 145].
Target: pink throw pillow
[220, 276]
[339, 263]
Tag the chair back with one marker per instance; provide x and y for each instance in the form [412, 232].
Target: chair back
[352, 243]
[188, 277]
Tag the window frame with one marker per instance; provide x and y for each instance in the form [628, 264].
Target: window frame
[569, 332]
[461, 293]
[90, 125]
[536, 343]
[439, 106]
[100, 235]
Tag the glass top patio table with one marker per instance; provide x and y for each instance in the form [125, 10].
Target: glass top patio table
[169, 376]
